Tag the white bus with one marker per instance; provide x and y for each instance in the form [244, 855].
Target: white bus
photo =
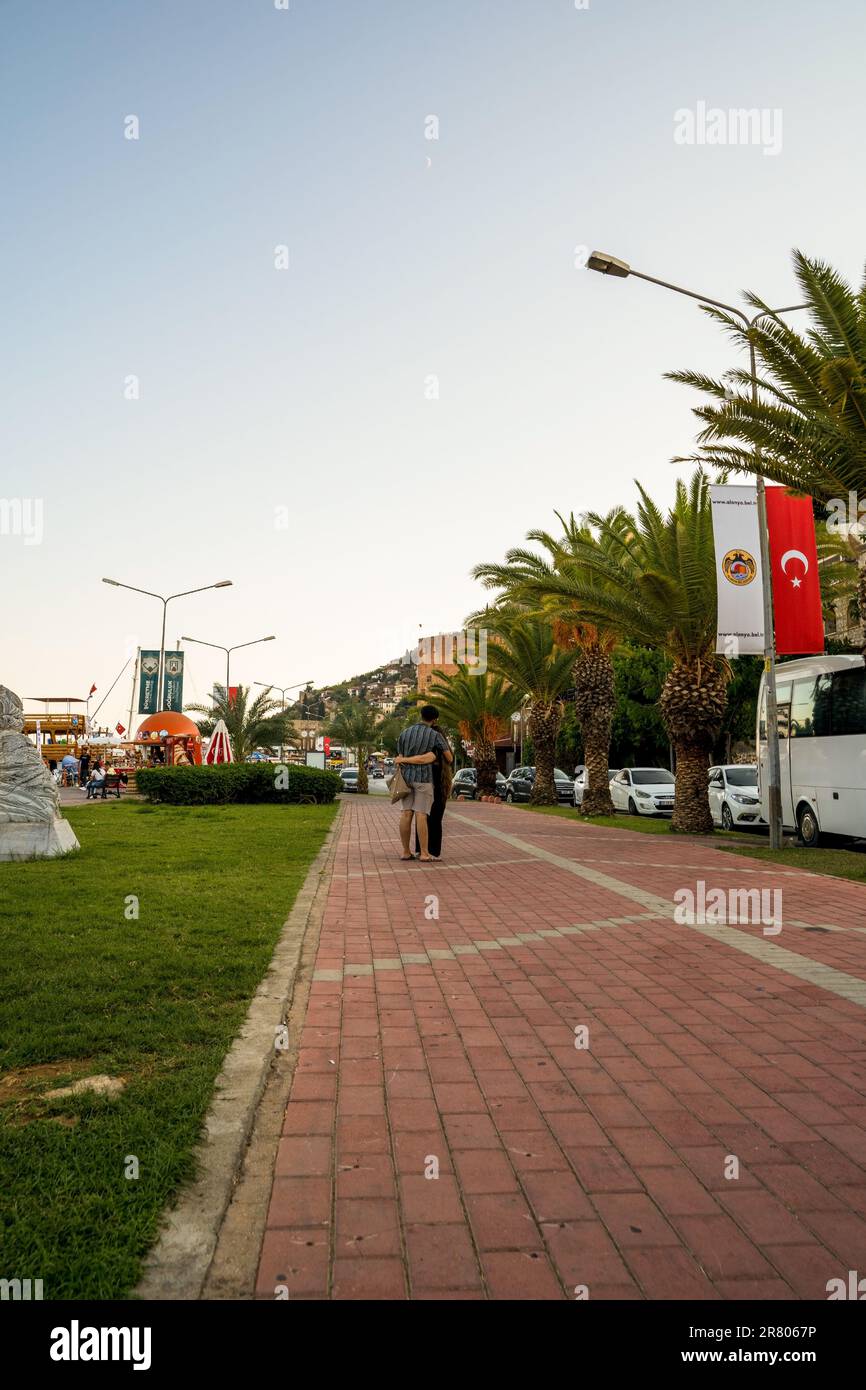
[822, 738]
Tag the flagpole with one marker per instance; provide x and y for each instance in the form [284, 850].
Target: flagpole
[134, 684]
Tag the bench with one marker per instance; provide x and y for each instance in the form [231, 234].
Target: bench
[109, 787]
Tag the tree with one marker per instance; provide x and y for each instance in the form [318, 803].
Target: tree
[478, 707]
[652, 577]
[807, 429]
[355, 726]
[250, 726]
[527, 657]
[523, 579]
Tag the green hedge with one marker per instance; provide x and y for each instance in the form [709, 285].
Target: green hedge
[237, 782]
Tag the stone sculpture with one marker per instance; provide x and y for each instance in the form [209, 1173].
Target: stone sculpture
[31, 826]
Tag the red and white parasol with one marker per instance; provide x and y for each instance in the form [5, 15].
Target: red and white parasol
[219, 748]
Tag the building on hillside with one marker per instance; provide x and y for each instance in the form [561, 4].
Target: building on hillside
[448, 650]
[844, 623]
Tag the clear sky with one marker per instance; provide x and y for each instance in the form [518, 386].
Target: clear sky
[284, 435]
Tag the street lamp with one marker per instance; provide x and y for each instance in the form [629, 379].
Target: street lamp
[606, 264]
[228, 650]
[282, 689]
[221, 584]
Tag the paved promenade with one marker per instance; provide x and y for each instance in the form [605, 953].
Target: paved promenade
[519, 1077]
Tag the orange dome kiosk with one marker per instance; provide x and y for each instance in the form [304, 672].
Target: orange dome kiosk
[169, 738]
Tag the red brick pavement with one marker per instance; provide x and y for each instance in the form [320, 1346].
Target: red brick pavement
[446, 1043]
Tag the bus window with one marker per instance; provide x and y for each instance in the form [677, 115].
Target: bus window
[821, 726]
[783, 701]
[849, 701]
[803, 709]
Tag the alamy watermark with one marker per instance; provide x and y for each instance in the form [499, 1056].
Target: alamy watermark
[702, 906]
[465, 648]
[712, 125]
[23, 516]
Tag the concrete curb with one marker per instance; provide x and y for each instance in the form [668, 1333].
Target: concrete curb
[177, 1266]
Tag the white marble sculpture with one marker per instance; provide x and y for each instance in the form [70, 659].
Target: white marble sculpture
[31, 826]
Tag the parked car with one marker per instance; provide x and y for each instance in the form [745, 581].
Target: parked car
[465, 783]
[349, 779]
[580, 783]
[520, 781]
[734, 797]
[643, 791]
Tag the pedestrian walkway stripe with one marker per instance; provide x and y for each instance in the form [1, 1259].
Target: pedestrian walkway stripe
[837, 982]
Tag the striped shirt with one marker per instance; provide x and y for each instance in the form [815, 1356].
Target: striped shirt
[419, 738]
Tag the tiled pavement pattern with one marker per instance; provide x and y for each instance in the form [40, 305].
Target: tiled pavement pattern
[454, 1039]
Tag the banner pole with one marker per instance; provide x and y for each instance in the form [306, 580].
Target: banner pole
[134, 686]
[774, 762]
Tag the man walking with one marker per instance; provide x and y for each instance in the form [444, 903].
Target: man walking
[417, 747]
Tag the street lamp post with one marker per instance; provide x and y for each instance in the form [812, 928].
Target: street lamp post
[228, 650]
[612, 265]
[282, 689]
[221, 584]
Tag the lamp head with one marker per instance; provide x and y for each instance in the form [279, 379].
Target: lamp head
[608, 265]
[223, 584]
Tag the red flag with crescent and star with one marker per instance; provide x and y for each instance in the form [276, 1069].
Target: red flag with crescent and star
[794, 566]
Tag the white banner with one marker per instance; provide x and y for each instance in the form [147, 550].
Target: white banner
[740, 621]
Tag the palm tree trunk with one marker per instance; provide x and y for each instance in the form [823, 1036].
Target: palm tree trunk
[485, 766]
[543, 725]
[363, 786]
[692, 705]
[861, 599]
[692, 814]
[595, 702]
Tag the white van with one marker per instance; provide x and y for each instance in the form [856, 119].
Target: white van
[822, 737]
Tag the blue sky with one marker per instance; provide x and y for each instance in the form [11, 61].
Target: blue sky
[304, 393]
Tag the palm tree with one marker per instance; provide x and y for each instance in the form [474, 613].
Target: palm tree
[356, 726]
[528, 658]
[652, 577]
[523, 579]
[807, 430]
[250, 726]
[478, 707]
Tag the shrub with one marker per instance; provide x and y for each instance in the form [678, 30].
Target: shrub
[237, 782]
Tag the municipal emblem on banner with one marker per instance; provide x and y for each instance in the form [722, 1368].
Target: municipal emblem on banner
[739, 567]
[150, 664]
[174, 665]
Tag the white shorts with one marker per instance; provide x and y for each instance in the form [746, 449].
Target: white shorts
[420, 798]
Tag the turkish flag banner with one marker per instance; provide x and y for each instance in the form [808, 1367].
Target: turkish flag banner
[794, 568]
[121, 728]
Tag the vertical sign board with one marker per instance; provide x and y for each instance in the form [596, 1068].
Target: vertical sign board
[172, 685]
[148, 681]
[739, 582]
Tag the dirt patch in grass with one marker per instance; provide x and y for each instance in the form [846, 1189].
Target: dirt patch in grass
[26, 1083]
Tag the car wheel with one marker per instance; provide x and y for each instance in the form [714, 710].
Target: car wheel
[807, 823]
[632, 809]
[509, 797]
[727, 818]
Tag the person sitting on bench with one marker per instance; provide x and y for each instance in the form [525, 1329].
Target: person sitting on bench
[97, 780]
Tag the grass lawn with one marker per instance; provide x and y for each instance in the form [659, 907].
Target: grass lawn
[841, 863]
[648, 825]
[156, 1001]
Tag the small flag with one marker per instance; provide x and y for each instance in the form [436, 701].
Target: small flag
[120, 728]
[92, 691]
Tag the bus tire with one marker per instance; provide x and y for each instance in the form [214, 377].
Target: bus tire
[807, 824]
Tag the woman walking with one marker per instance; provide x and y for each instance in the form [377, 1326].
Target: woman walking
[442, 778]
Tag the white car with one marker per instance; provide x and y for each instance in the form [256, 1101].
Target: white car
[643, 791]
[734, 797]
[580, 782]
